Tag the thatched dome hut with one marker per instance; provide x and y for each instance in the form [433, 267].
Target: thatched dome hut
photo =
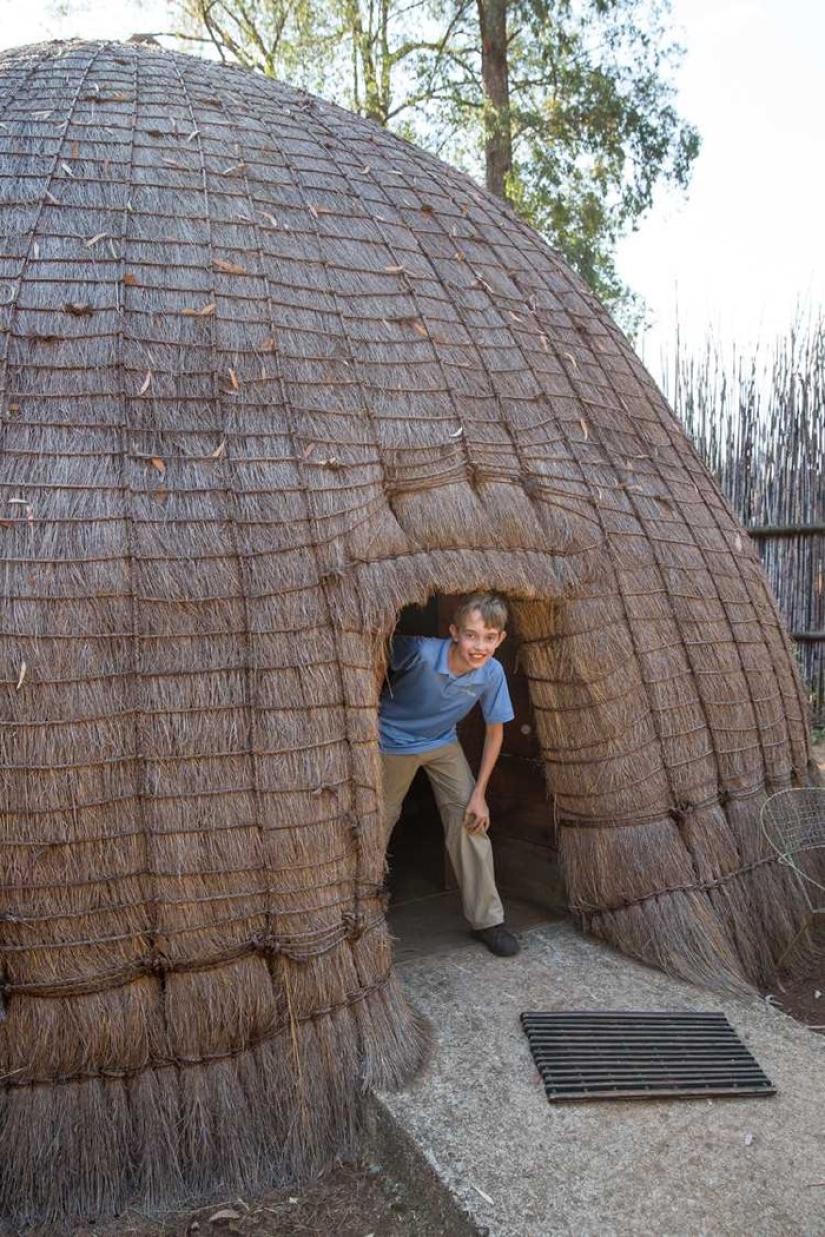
[267, 376]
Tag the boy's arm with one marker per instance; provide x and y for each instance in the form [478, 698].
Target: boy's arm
[477, 814]
[403, 652]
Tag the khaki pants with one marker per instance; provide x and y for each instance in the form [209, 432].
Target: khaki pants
[470, 853]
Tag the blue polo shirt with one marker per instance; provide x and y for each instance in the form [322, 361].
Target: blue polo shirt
[421, 707]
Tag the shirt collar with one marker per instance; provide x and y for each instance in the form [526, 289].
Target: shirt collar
[442, 665]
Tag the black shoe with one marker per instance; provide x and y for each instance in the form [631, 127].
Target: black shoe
[498, 939]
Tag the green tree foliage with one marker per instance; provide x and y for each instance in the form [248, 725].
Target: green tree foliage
[564, 107]
[275, 37]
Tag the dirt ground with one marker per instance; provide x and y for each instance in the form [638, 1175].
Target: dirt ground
[353, 1200]
[804, 997]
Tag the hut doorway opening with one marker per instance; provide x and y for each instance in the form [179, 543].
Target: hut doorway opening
[522, 832]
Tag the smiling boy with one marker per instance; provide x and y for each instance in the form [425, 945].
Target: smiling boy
[434, 684]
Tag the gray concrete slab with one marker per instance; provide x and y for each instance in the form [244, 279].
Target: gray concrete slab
[522, 1167]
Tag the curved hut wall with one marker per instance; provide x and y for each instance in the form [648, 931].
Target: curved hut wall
[268, 374]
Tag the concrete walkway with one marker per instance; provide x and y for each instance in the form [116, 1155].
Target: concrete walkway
[522, 1167]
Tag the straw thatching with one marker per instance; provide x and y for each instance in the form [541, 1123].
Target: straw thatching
[267, 375]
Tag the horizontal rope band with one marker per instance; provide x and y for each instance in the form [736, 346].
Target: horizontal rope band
[158, 1064]
[594, 911]
[352, 928]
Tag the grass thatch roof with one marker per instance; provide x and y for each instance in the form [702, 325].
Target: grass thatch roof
[268, 374]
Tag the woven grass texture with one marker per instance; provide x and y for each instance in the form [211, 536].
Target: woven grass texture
[267, 375]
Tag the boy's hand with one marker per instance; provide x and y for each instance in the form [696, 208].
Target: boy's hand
[477, 815]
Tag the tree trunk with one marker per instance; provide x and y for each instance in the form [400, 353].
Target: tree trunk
[364, 59]
[498, 142]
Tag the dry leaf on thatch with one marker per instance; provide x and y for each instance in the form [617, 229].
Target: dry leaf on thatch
[407, 320]
[24, 502]
[228, 268]
[147, 382]
[158, 463]
[219, 452]
[79, 309]
[21, 676]
[200, 313]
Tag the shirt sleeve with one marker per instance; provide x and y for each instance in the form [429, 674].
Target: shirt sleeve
[404, 652]
[496, 705]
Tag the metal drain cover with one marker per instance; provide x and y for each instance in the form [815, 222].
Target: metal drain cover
[605, 1054]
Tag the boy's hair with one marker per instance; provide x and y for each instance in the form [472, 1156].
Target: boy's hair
[491, 607]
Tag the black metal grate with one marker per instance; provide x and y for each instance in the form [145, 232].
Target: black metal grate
[611, 1054]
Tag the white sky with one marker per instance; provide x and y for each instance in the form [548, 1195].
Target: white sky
[746, 249]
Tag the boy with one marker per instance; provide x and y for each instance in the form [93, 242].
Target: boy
[435, 684]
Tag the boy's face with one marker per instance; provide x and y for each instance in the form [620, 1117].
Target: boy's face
[473, 643]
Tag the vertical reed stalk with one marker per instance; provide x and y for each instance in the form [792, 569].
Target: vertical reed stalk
[758, 421]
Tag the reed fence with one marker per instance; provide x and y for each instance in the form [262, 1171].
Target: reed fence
[758, 421]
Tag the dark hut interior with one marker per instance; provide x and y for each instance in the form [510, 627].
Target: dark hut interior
[269, 376]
